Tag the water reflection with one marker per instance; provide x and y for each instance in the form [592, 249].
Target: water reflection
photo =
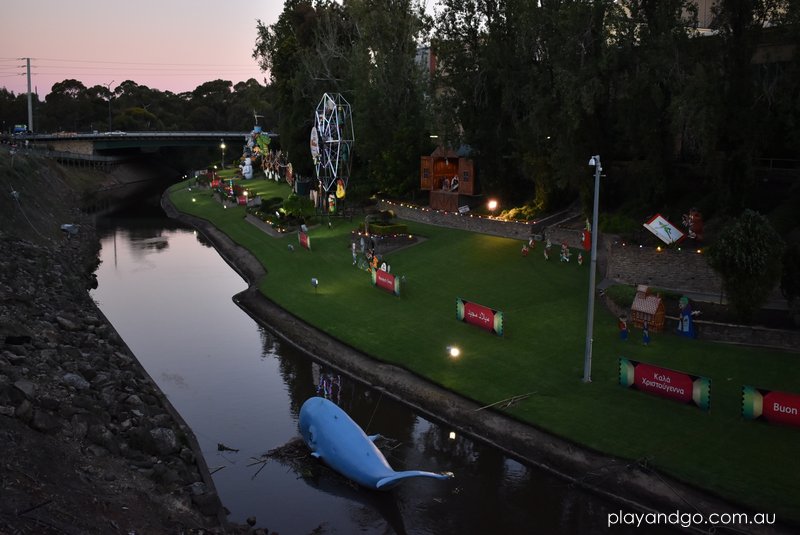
[169, 295]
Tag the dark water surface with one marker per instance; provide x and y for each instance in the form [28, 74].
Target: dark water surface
[168, 294]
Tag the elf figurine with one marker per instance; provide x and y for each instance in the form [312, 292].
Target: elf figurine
[623, 327]
[645, 334]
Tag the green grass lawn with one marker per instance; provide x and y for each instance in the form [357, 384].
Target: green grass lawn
[542, 350]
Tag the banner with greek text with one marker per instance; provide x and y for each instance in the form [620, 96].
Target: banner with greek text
[480, 316]
[304, 240]
[670, 384]
[770, 405]
[385, 280]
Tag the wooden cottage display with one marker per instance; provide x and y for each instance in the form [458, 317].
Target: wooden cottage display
[446, 174]
[647, 307]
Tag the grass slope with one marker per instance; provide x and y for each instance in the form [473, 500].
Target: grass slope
[544, 306]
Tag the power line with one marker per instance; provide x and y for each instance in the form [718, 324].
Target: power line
[142, 63]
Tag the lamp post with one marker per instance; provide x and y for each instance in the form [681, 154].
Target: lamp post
[222, 146]
[587, 358]
[108, 85]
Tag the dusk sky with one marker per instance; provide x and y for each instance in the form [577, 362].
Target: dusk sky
[172, 45]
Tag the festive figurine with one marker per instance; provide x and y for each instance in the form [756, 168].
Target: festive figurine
[645, 334]
[693, 221]
[355, 254]
[623, 327]
[531, 243]
[525, 249]
[586, 236]
[686, 320]
[564, 252]
[580, 258]
[547, 246]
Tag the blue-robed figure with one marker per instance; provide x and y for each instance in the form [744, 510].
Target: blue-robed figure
[686, 320]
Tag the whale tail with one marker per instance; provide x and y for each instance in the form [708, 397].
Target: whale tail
[398, 477]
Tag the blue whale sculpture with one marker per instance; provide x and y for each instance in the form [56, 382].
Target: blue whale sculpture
[338, 441]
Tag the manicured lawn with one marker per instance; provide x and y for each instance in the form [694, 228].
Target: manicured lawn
[542, 350]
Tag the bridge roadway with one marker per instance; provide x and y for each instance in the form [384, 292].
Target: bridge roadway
[89, 145]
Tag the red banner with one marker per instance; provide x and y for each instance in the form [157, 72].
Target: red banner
[304, 240]
[385, 280]
[771, 405]
[480, 316]
[782, 407]
[663, 382]
[666, 383]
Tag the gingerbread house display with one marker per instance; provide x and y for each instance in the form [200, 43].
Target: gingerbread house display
[647, 307]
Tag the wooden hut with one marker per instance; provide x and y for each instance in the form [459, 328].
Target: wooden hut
[447, 174]
[647, 307]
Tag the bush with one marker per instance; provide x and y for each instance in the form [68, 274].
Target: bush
[299, 207]
[748, 258]
[622, 295]
[384, 229]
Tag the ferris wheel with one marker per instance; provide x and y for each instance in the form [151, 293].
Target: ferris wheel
[332, 141]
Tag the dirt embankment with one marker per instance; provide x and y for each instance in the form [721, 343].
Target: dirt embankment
[632, 484]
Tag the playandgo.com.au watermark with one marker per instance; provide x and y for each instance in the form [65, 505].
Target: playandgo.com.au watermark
[687, 520]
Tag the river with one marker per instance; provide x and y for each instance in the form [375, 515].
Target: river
[169, 295]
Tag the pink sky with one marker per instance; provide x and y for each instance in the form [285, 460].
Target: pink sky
[170, 45]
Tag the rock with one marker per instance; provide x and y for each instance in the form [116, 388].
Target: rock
[26, 388]
[187, 456]
[165, 441]
[66, 324]
[24, 410]
[134, 400]
[45, 422]
[14, 359]
[207, 503]
[76, 381]
[197, 488]
[79, 425]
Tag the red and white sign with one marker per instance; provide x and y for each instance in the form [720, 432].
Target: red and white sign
[663, 382]
[781, 407]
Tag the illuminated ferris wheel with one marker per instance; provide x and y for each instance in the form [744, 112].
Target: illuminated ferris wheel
[332, 139]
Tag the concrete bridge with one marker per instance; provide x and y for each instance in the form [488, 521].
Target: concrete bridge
[109, 145]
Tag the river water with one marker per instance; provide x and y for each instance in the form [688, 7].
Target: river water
[168, 294]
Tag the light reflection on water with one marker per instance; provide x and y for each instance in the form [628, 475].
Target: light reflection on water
[170, 297]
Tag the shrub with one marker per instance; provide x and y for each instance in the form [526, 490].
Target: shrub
[622, 295]
[747, 256]
[384, 229]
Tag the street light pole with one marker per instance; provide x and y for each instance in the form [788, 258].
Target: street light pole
[587, 358]
[108, 85]
[222, 146]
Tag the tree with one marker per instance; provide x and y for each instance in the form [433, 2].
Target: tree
[747, 256]
[790, 280]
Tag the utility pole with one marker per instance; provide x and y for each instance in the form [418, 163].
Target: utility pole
[30, 100]
[108, 85]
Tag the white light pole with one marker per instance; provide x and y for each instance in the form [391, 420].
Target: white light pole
[222, 146]
[587, 358]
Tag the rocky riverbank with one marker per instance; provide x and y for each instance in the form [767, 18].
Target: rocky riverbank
[88, 443]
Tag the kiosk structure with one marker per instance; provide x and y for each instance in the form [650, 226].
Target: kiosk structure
[447, 174]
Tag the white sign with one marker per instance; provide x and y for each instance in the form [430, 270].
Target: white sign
[666, 231]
